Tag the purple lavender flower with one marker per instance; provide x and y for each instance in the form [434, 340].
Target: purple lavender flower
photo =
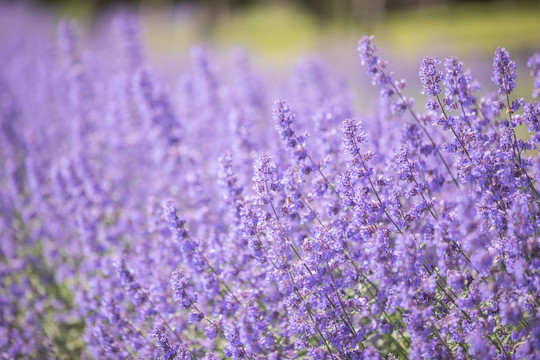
[531, 117]
[264, 179]
[534, 64]
[167, 352]
[132, 286]
[283, 118]
[383, 77]
[354, 136]
[430, 76]
[459, 85]
[177, 227]
[504, 74]
[398, 264]
[178, 285]
[376, 67]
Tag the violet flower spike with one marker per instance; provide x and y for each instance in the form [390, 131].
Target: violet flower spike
[430, 76]
[533, 63]
[504, 72]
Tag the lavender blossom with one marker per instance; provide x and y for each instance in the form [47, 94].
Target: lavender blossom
[430, 76]
[534, 64]
[178, 285]
[459, 85]
[504, 74]
[351, 243]
[168, 352]
[264, 179]
[376, 67]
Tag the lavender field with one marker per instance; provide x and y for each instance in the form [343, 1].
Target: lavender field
[220, 214]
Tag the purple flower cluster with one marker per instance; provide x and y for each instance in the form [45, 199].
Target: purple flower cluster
[400, 233]
[504, 74]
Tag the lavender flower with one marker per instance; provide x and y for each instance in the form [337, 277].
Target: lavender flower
[177, 227]
[504, 74]
[132, 286]
[353, 244]
[376, 67]
[168, 352]
[430, 76]
[178, 285]
[264, 179]
[459, 85]
[354, 136]
[534, 64]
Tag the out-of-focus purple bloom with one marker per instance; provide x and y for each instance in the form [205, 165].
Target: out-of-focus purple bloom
[283, 118]
[177, 227]
[178, 285]
[534, 64]
[376, 67]
[132, 286]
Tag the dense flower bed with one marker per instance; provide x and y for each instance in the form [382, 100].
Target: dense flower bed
[202, 222]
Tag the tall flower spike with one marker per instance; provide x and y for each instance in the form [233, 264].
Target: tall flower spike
[534, 64]
[79, 90]
[531, 117]
[155, 106]
[264, 169]
[229, 181]
[354, 136]
[177, 227]
[178, 285]
[167, 351]
[132, 286]
[283, 118]
[430, 76]
[129, 33]
[504, 73]
[368, 55]
[379, 75]
[459, 84]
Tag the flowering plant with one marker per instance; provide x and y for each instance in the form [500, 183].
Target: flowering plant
[144, 222]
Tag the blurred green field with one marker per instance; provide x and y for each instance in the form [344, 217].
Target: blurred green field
[282, 33]
[278, 35]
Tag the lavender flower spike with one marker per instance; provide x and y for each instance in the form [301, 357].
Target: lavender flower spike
[534, 64]
[504, 73]
[264, 170]
[168, 352]
[368, 55]
[177, 227]
[430, 76]
[178, 285]
[283, 119]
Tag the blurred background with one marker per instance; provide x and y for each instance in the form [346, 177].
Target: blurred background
[279, 32]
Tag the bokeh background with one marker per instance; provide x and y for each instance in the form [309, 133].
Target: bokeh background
[279, 32]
